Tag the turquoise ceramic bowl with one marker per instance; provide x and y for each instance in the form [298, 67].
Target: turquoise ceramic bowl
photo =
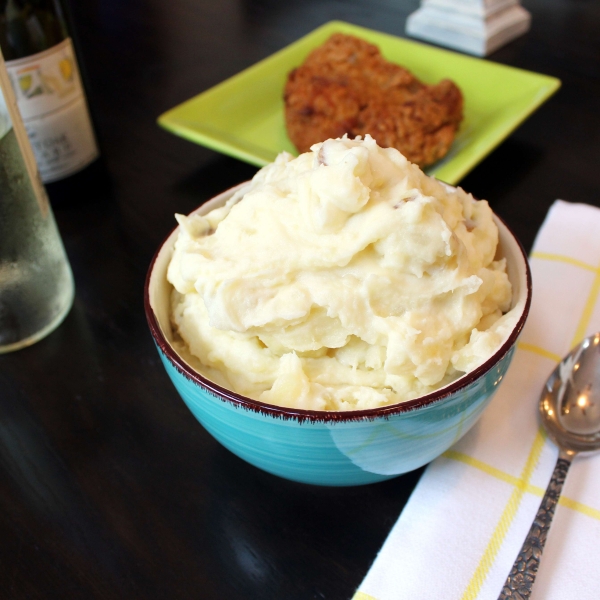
[335, 448]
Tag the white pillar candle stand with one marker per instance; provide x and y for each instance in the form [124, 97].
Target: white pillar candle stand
[475, 26]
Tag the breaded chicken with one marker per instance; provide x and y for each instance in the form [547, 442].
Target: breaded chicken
[346, 86]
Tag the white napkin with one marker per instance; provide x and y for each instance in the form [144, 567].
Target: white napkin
[464, 524]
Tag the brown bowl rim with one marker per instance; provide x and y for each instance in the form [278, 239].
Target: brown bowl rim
[321, 416]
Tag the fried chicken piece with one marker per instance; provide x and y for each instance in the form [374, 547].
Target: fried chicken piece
[346, 86]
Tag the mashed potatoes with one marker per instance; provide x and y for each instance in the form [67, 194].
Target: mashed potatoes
[343, 279]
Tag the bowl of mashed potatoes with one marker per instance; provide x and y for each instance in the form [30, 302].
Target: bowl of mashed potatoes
[340, 319]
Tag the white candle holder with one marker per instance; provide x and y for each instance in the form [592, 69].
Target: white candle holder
[475, 26]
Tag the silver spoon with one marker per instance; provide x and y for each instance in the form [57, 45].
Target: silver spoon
[570, 411]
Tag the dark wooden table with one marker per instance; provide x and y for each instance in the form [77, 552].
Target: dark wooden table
[109, 488]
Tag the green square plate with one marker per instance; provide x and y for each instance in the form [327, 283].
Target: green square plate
[243, 116]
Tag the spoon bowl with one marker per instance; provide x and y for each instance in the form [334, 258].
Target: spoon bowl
[570, 403]
[570, 412]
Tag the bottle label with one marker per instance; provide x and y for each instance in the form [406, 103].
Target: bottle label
[52, 103]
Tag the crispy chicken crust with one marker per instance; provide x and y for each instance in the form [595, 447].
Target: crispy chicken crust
[346, 86]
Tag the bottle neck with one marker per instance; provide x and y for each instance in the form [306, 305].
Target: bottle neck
[30, 26]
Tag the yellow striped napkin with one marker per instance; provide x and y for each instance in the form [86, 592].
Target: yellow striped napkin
[464, 524]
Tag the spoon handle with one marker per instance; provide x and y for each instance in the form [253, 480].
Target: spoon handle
[520, 580]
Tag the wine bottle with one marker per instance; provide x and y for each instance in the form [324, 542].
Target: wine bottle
[44, 73]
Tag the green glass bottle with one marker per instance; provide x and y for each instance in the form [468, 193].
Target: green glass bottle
[44, 73]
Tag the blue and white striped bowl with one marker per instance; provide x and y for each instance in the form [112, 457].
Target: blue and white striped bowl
[335, 448]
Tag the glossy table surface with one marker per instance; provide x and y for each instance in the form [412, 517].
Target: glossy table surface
[108, 486]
